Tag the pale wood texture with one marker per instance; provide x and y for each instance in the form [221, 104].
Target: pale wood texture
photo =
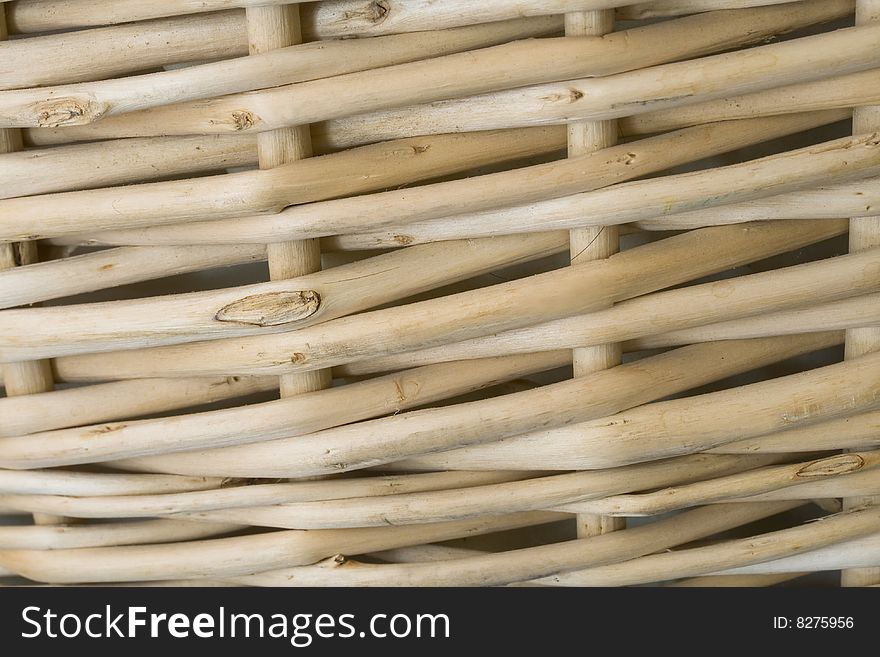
[864, 233]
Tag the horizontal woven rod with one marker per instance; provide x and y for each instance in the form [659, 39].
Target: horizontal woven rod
[336, 489]
[663, 8]
[831, 531]
[455, 76]
[114, 267]
[300, 415]
[491, 499]
[85, 166]
[861, 552]
[851, 90]
[85, 102]
[682, 426]
[344, 17]
[857, 311]
[121, 49]
[118, 400]
[652, 199]
[846, 313]
[860, 431]
[735, 581]
[360, 502]
[285, 492]
[261, 307]
[859, 484]
[59, 482]
[852, 199]
[390, 164]
[494, 569]
[386, 440]
[241, 555]
[452, 318]
[339, 18]
[108, 534]
[693, 306]
[726, 487]
[428, 202]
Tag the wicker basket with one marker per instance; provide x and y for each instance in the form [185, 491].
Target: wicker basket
[475, 357]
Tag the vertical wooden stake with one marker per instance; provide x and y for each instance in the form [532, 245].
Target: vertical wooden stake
[33, 376]
[864, 233]
[271, 27]
[593, 243]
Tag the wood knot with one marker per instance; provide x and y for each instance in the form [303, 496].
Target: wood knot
[68, 111]
[271, 308]
[378, 11]
[243, 120]
[833, 465]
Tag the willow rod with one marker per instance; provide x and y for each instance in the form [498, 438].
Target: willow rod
[693, 306]
[683, 426]
[435, 201]
[456, 76]
[452, 318]
[548, 561]
[235, 194]
[347, 17]
[269, 420]
[279, 305]
[831, 531]
[726, 487]
[389, 439]
[239, 555]
[486, 500]
[829, 162]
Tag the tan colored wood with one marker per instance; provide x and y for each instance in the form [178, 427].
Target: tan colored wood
[488, 421]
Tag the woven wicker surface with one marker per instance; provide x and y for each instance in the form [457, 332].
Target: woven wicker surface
[412, 293]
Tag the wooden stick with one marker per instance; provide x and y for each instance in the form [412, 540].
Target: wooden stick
[859, 553]
[426, 202]
[664, 8]
[735, 581]
[84, 166]
[864, 233]
[549, 561]
[228, 557]
[340, 18]
[472, 502]
[86, 102]
[854, 432]
[118, 400]
[42, 16]
[114, 267]
[115, 51]
[725, 487]
[688, 425]
[269, 420]
[243, 193]
[650, 199]
[262, 307]
[85, 484]
[832, 531]
[844, 200]
[390, 439]
[271, 28]
[107, 534]
[29, 376]
[843, 314]
[593, 242]
[335, 490]
[650, 315]
[452, 318]
[525, 62]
